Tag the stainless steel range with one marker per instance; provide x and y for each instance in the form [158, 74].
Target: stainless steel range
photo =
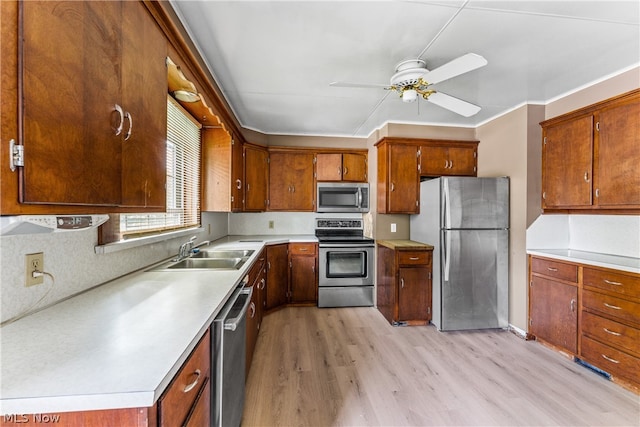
[346, 263]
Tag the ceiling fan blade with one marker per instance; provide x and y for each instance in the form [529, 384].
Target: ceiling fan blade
[361, 85]
[460, 65]
[451, 103]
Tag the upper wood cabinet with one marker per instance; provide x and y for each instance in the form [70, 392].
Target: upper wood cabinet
[341, 167]
[590, 157]
[111, 100]
[447, 158]
[256, 178]
[222, 171]
[398, 177]
[291, 181]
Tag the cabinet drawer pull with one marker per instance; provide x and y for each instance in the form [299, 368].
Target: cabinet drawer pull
[414, 258]
[612, 283]
[615, 307]
[610, 359]
[190, 387]
[617, 334]
[552, 269]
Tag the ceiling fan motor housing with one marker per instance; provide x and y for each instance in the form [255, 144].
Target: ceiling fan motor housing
[408, 73]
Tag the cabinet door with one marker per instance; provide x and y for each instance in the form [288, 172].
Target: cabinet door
[329, 167]
[279, 187]
[64, 82]
[462, 161]
[553, 315]
[404, 181]
[304, 285]
[567, 163]
[414, 293]
[433, 161]
[618, 172]
[256, 177]
[144, 99]
[277, 276]
[354, 167]
[301, 180]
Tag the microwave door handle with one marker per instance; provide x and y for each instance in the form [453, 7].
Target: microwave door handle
[359, 197]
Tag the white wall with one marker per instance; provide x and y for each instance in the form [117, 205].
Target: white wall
[283, 222]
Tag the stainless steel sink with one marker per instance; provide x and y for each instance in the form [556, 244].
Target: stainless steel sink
[208, 264]
[223, 254]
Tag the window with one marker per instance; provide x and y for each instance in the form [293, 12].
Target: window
[183, 180]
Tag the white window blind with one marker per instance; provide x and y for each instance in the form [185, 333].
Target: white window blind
[183, 179]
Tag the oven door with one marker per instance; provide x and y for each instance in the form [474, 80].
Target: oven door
[345, 264]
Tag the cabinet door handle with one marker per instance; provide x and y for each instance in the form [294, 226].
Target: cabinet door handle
[586, 176]
[617, 334]
[191, 386]
[393, 187]
[573, 305]
[346, 171]
[450, 164]
[252, 307]
[313, 268]
[552, 269]
[612, 283]
[118, 128]
[610, 359]
[446, 164]
[339, 171]
[248, 187]
[262, 284]
[238, 184]
[129, 118]
[615, 307]
[268, 265]
[293, 188]
[402, 282]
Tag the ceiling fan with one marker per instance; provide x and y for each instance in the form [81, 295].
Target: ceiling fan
[412, 78]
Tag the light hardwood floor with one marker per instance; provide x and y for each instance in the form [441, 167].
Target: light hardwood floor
[349, 367]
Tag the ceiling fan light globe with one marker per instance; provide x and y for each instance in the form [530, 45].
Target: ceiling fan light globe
[409, 95]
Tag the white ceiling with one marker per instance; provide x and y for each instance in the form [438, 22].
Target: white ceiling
[274, 60]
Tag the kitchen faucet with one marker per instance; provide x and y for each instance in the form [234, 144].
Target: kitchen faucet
[185, 249]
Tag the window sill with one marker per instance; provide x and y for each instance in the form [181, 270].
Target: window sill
[142, 241]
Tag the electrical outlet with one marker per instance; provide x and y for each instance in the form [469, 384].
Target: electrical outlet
[393, 227]
[271, 224]
[34, 262]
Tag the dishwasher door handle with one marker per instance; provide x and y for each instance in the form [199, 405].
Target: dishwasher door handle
[232, 324]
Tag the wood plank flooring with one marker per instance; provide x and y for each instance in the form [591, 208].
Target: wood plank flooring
[349, 367]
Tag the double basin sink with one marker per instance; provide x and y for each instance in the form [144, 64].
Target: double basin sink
[209, 260]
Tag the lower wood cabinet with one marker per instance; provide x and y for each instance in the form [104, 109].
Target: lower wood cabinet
[303, 277]
[603, 329]
[257, 280]
[277, 276]
[404, 282]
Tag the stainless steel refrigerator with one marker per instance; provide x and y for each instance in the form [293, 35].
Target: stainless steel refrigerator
[466, 219]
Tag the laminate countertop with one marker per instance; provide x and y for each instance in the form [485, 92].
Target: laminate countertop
[403, 244]
[117, 345]
[616, 262]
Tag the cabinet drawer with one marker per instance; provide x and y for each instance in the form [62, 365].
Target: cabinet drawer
[557, 270]
[180, 396]
[612, 281]
[616, 362]
[611, 306]
[413, 257]
[302, 248]
[610, 332]
[257, 267]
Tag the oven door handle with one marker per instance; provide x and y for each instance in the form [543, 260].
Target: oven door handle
[346, 245]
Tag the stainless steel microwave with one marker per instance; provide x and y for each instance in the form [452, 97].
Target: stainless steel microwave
[343, 197]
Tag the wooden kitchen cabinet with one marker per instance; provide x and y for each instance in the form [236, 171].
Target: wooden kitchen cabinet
[404, 286]
[341, 167]
[277, 276]
[222, 171]
[398, 176]
[111, 150]
[257, 280]
[256, 178]
[553, 303]
[291, 181]
[448, 158]
[610, 322]
[303, 275]
[590, 157]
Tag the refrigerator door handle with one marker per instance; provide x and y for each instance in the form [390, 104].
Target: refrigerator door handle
[446, 242]
[445, 205]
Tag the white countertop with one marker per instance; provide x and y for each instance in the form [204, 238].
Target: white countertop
[119, 344]
[617, 262]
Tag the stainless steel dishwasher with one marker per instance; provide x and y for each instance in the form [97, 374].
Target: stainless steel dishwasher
[228, 358]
